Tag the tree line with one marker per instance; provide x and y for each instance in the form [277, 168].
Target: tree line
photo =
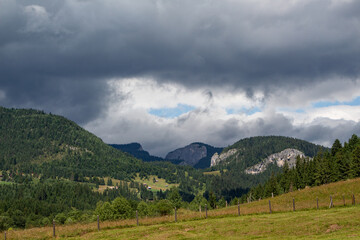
[340, 163]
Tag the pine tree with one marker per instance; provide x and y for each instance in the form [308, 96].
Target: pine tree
[335, 147]
[356, 161]
[174, 197]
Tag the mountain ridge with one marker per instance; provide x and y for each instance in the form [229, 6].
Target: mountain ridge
[196, 154]
[136, 150]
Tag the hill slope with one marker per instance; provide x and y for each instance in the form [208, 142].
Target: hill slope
[33, 141]
[251, 151]
[245, 154]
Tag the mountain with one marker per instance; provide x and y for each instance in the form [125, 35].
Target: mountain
[251, 151]
[33, 141]
[195, 154]
[136, 150]
[341, 163]
[288, 156]
[238, 163]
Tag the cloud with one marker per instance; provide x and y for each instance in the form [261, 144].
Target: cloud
[129, 118]
[83, 59]
[249, 44]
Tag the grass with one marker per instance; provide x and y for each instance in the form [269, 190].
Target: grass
[255, 221]
[161, 184]
[339, 223]
[335, 223]
[6, 183]
[215, 173]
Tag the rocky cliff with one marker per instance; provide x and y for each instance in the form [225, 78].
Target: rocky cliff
[216, 158]
[288, 155]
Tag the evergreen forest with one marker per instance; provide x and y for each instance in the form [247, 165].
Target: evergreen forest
[52, 169]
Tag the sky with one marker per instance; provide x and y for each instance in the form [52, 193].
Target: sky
[166, 73]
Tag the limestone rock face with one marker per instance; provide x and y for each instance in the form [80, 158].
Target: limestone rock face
[216, 158]
[288, 155]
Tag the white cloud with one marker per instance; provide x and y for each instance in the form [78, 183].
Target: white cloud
[128, 119]
[37, 18]
[336, 89]
[143, 93]
[276, 56]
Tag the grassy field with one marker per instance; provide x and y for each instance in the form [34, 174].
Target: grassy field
[216, 173]
[161, 184]
[255, 221]
[338, 223]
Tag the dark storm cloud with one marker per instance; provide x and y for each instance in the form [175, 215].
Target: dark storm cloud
[321, 131]
[59, 54]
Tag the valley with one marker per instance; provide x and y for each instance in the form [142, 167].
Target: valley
[52, 169]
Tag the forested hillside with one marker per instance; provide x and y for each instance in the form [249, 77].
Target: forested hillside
[342, 162]
[251, 151]
[51, 168]
[53, 146]
[49, 162]
[233, 181]
[33, 141]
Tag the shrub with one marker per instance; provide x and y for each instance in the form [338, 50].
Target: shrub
[164, 207]
[122, 208]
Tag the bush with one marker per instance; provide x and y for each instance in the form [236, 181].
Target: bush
[69, 220]
[143, 209]
[45, 221]
[60, 218]
[104, 210]
[18, 219]
[122, 208]
[5, 222]
[199, 200]
[164, 207]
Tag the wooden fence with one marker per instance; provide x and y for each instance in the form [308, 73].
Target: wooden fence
[273, 206]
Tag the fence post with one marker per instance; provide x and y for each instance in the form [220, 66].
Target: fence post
[344, 200]
[98, 222]
[331, 202]
[272, 194]
[54, 228]
[270, 206]
[205, 210]
[353, 199]
[175, 215]
[137, 218]
[5, 235]
[317, 203]
[294, 204]
[238, 208]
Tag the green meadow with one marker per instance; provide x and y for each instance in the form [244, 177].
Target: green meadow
[255, 222]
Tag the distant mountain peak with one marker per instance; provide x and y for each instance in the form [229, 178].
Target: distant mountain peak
[135, 149]
[196, 154]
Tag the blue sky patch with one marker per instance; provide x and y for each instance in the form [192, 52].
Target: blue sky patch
[354, 102]
[247, 111]
[298, 110]
[171, 112]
